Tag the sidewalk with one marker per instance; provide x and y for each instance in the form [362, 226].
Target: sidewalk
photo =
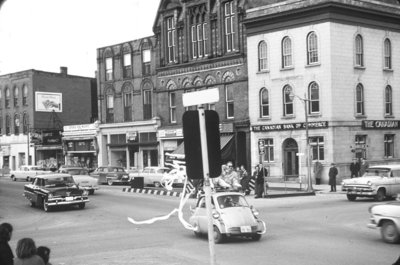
[286, 189]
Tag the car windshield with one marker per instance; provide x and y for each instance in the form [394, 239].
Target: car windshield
[232, 201]
[59, 182]
[116, 169]
[382, 172]
[78, 172]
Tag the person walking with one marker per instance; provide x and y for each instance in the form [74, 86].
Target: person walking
[26, 253]
[6, 255]
[317, 172]
[354, 168]
[260, 180]
[332, 177]
[363, 167]
[244, 181]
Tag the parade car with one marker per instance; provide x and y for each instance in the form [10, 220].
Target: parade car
[82, 178]
[111, 175]
[27, 173]
[378, 182]
[387, 218]
[55, 190]
[232, 217]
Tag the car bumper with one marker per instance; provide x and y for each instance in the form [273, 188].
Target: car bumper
[72, 201]
[360, 191]
[89, 187]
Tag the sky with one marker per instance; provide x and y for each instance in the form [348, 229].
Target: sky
[47, 34]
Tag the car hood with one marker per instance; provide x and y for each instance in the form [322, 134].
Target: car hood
[362, 180]
[84, 179]
[391, 209]
[238, 216]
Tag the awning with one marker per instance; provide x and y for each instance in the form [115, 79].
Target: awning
[48, 147]
[78, 138]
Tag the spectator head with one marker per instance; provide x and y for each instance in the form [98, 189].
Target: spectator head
[5, 232]
[26, 248]
[44, 253]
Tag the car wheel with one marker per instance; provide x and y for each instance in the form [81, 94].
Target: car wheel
[157, 184]
[82, 205]
[46, 208]
[380, 195]
[110, 182]
[389, 232]
[218, 237]
[351, 197]
[256, 237]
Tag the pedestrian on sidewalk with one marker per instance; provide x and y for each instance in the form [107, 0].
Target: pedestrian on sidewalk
[363, 167]
[332, 177]
[260, 181]
[244, 181]
[354, 168]
[317, 172]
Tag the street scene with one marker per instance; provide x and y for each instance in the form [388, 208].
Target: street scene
[199, 132]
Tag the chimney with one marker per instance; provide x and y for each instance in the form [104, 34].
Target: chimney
[64, 70]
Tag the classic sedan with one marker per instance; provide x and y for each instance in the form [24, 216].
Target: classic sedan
[55, 190]
[27, 173]
[82, 178]
[232, 216]
[387, 218]
[111, 175]
[378, 182]
[152, 176]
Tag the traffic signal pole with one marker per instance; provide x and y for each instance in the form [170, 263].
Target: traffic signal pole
[207, 184]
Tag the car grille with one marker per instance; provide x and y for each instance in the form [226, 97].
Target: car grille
[358, 188]
[67, 193]
[236, 230]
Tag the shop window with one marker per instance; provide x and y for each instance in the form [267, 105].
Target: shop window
[360, 143]
[268, 155]
[389, 145]
[317, 147]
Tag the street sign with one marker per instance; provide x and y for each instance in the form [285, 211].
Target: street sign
[195, 98]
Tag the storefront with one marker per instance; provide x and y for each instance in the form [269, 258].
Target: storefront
[48, 148]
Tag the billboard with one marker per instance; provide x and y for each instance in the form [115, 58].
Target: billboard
[48, 102]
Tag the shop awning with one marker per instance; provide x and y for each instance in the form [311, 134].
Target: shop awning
[78, 138]
[48, 147]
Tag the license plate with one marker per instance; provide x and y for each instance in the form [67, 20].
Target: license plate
[68, 199]
[245, 229]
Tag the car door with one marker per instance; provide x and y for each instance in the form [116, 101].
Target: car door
[146, 177]
[396, 181]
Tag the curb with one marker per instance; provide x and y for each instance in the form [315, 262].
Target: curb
[154, 192]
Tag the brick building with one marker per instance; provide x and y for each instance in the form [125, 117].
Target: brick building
[34, 106]
[339, 60]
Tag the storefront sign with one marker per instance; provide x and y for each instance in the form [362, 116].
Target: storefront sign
[131, 137]
[81, 127]
[373, 125]
[170, 133]
[51, 137]
[290, 126]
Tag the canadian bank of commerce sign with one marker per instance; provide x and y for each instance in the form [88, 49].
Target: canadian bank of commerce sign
[290, 126]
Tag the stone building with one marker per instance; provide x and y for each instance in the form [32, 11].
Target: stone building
[34, 106]
[331, 64]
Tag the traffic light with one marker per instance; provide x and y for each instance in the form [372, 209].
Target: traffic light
[191, 138]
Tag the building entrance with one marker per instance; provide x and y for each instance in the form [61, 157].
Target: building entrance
[290, 159]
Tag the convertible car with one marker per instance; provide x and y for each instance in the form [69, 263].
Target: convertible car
[55, 190]
[232, 216]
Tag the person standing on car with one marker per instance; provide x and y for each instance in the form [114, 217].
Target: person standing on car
[6, 255]
[332, 177]
[260, 180]
[231, 177]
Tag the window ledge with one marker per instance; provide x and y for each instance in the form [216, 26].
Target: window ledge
[289, 117]
[359, 67]
[263, 72]
[359, 116]
[287, 68]
[264, 119]
[390, 70]
[312, 65]
[389, 116]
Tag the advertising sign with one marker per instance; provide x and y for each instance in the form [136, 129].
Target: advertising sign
[48, 102]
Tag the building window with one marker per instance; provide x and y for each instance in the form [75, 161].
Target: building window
[262, 56]
[110, 108]
[360, 146]
[25, 123]
[109, 69]
[1, 124]
[389, 145]
[1, 98]
[286, 52]
[387, 54]
[388, 101]
[359, 100]
[16, 124]
[25, 95]
[146, 58]
[264, 103]
[15, 96]
[171, 32]
[229, 101]
[198, 35]
[172, 106]
[147, 102]
[128, 106]
[127, 64]
[287, 101]
[229, 19]
[8, 125]
[313, 98]
[359, 51]
[317, 147]
[312, 48]
[268, 150]
[8, 96]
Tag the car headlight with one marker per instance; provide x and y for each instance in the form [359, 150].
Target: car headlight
[85, 193]
[369, 183]
[215, 215]
[50, 196]
[342, 183]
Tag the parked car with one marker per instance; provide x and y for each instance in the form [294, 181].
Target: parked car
[55, 190]
[152, 176]
[27, 173]
[387, 218]
[232, 216]
[82, 178]
[378, 182]
[174, 177]
[111, 175]
[132, 172]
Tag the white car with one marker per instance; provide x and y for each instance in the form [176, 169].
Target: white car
[82, 178]
[27, 173]
[387, 218]
[152, 176]
[174, 177]
[378, 182]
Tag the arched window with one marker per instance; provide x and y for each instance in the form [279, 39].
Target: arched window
[25, 123]
[359, 51]
[16, 124]
[16, 94]
[388, 101]
[25, 95]
[229, 99]
[313, 98]
[127, 61]
[387, 54]
[264, 103]
[128, 101]
[287, 101]
[286, 52]
[110, 106]
[108, 60]
[147, 101]
[312, 48]
[360, 100]
[172, 103]
[8, 96]
[198, 31]
[1, 98]
[262, 56]
[8, 124]
[146, 58]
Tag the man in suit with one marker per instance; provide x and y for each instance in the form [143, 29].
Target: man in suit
[260, 180]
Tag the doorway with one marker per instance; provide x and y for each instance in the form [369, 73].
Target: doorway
[290, 158]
